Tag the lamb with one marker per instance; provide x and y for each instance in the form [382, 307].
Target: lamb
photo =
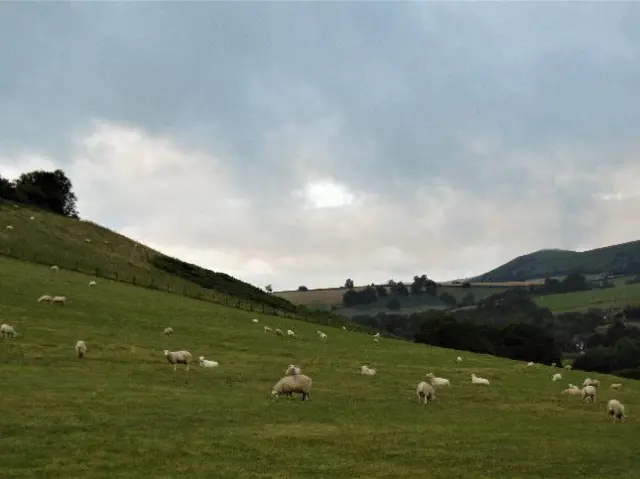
[476, 380]
[32, 217]
[553, 365]
[55, 268]
[323, 336]
[267, 329]
[290, 333]
[92, 283]
[279, 332]
[293, 384]
[205, 363]
[9, 227]
[556, 377]
[435, 381]
[529, 364]
[615, 386]
[168, 331]
[375, 340]
[45, 298]
[344, 328]
[81, 349]
[459, 359]
[591, 382]
[589, 393]
[178, 357]
[615, 409]
[573, 390]
[7, 331]
[367, 371]
[87, 240]
[59, 300]
[425, 392]
[377, 335]
[568, 367]
[255, 320]
[293, 370]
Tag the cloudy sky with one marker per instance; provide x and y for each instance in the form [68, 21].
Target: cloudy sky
[304, 143]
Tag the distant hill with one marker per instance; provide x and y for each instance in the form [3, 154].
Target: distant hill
[620, 259]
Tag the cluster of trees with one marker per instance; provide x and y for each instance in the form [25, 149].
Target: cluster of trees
[48, 190]
[572, 282]
[370, 294]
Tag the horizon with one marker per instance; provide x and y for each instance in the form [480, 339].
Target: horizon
[306, 143]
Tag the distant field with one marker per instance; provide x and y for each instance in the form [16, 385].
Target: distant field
[621, 295]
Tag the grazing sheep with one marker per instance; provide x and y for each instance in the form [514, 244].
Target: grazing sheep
[573, 390]
[7, 331]
[32, 217]
[168, 331]
[589, 393]
[290, 333]
[323, 336]
[375, 340]
[288, 385]
[81, 349]
[279, 332]
[178, 357]
[556, 377]
[367, 371]
[591, 382]
[9, 227]
[459, 359]
[255, 320]
[92, 283]
[267, 329]
[344, 328]
[55, 268]
[435, 381]
[530, 363]
[87, 240]
[59, 300]
[567, 367]
[615, 409]
[425, 392]
[476, 380]
[377, 335]
[292, 370]
[553, 365]
[615, 386]
[45, 298]
[205, 363]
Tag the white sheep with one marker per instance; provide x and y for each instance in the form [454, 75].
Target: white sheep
[7, 331]
[288, 385]
[459, 359]
[375, 340]
[323, 336]
[55, 268]
[32, 217]
[168, 331]
[377, 335]
[92, 283]
[615, 409]
[556, 377]
[435, 381]
[255, 320]
[615, 386]
[292, 370]
[178, 357]
[573, 390]
[290, 333]
[425, 392]
[87, 240]
[9, 227]
[267, 329]
[367, 371]
[59, 300]
[530, 363]
[567, 367]
[553, 365]
[591, 382]
[477, 380]
[206, 363]
[344, 328]
[279, 332]
[81, 349]
[589, 393]
[45, 298]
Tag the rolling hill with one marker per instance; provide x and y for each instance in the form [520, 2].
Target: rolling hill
[620, 259]
[123, 411]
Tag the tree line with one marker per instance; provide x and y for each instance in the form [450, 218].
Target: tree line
[47, 190]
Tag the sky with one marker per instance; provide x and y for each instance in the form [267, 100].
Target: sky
[303, 143]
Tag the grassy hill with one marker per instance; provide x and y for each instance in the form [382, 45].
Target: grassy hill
[620, 259]
[84, 246]
[618, 297]
[123, 412]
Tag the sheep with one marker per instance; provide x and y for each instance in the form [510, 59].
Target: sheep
[615, 409]
[279, 332]
[556, 377]
[7, 331]
[32, 217]
[367, 371]
[178, 357]
[59, 300]
[292, 370]
[344, 328]
[168, 331]
[377, 335]
[55, 268]
[615, 386]
[573, 390]
[267, 329]
[425, 392]
[81, 349]
[553, 365]
[567, 367]
[589, 393]
[530, 363]
[435, 381]
[292, 384]
[290, 333]
[255, 320]
[45, 298]
[375, 340]
[476, 380]
[323, 336]
[591, 382]
[458, 359]
[9, 227]
[87, 240]
[92, 283]
[205, 363]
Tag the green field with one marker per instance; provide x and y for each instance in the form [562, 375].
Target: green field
[123, 411]
[618, 297]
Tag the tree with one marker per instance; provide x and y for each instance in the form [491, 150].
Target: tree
[303, 288]
[448, 299]
[394, 304]
[348, 283]
[381, 290]
[48, 190]
[7, 189]
[268, 288]
[401, 289]
[468, 299]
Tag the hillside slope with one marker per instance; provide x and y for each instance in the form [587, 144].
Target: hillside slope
[85, 246]
[123, 412]
[620, 259]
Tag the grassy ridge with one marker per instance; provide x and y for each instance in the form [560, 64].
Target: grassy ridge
[620, 296]
[53, 239]
[123, 412]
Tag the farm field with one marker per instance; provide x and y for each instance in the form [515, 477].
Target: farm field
[123, 411]
[620, 296]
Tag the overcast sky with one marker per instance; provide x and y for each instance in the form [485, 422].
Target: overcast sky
[304, 143]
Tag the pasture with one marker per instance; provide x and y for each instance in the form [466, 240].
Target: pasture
[123, 411]
[619, 296]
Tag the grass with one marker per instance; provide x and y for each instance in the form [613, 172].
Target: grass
[123, 412]
[617, 297]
